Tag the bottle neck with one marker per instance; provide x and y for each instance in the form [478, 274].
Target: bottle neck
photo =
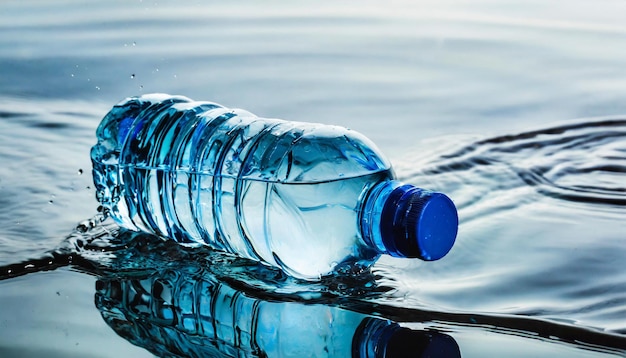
[371, 214]
[402, 220]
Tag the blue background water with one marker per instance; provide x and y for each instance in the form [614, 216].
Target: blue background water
[471, 98]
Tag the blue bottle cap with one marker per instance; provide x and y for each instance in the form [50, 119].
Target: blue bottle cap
[418, 223]
[406, 342]
[377, 337]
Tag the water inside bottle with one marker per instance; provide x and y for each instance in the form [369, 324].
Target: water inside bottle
[306, 228]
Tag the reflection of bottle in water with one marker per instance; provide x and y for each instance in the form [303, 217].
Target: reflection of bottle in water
[308, 198]
[192, 315]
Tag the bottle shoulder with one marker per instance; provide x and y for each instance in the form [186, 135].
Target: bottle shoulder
[298, 152]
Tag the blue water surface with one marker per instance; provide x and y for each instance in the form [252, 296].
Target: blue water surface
[515, 109]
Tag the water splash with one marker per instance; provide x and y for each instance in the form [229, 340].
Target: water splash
[99, 247]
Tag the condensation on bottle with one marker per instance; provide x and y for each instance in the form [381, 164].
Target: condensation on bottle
[309, 198]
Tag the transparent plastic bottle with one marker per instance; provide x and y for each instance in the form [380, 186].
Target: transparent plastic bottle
[309, 198]
[186, 313]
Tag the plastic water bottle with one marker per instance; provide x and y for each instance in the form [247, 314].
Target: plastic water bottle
[187, 313]
[311, 199]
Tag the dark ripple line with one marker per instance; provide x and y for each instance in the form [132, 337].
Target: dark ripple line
[613, 168]
[576, 194]
[50, 125]
[459, 163]
[530, 327]
[613, 122]
[7, 114]
[84, 237]
[26, 121]
[49, 261]
[607, 123]
[485, 153]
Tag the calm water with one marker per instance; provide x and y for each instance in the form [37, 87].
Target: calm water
[515, 109]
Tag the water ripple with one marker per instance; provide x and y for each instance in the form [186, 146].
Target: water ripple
[582, 161]
[99, 247]
[556, 265]
[542, 224]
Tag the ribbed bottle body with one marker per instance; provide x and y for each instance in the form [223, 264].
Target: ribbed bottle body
[285, 193]
[188, 312]
[198, 316]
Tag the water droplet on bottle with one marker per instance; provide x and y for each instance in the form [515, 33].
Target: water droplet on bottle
[98, 88]
[141, 87]
[132, 75]
[71, 75]
[80, 171]
[134, 43]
